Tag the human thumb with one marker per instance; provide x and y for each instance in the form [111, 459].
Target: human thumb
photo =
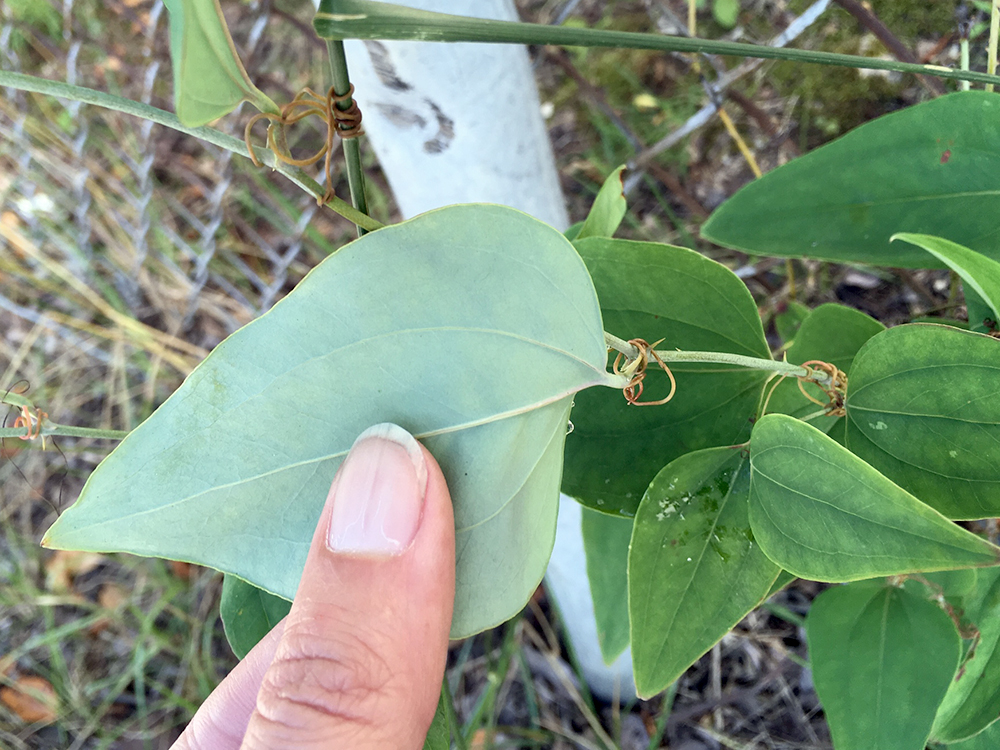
[361, 659]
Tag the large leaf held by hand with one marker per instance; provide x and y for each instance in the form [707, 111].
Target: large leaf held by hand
[471, 326]
[209, 79]
[929, 169]
[694, 570]
[923, 407]
[822, 513]
[653, 292]
[882, 659]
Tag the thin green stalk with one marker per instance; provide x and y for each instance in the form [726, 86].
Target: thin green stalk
[364, 19]
[722, 358]
[964, 63]
[37, 85]
[51, 429]
[352, 149]
[991, 60]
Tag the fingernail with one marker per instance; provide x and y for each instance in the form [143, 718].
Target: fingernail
[379, 494]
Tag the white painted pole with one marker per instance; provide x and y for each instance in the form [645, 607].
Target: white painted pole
[461, 123]
[456, 123]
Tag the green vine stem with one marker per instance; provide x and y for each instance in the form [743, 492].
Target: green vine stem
[51, 429]
[127, 106]
[991, 60]
[364, 19]
[352, 149]
[786, 369]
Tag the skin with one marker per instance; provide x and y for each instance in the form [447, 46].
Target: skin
[359, 660]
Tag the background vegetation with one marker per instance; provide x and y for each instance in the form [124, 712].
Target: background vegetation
[104, 219]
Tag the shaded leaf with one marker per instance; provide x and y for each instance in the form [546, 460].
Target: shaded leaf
[608, 210]
[831, 333]
[928, 169]
[248, 613]
[471, 326]
[923, 407]
[784, 579]
[882, 659]
[605, 541]
[694, 571]
[209, 78]
[981, 318]
[822, 513]
[439, 735]
[726, 12]
[988, 739]
[977, 271]
[973, 699]
[788, 320]
[653, 292]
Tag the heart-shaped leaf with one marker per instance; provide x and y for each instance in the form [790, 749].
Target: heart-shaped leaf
[973, 698]
[830, 333]
[653, 292]
[923, 407]
[470, 326]
[882, 659]
[694, 570]
[930, 169]
[209, 78]
[608, 210]
[822, 513]
[248, 613]
[605, 541]
[977, 271]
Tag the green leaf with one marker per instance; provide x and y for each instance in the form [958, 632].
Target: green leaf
[439, 735]
[471, 326]
[988, 739]
[784, 579]
[973, 698]
[831, 333]
[882, 659]
[653, 292]
[248, 613]
[726, 12]
[694, 571]
[822, 513]
[981, 318]
[365, 19]
[209, 79]
[608, 210]
[605, 541]
[976, 270]
[923, 407]
[929, 169]
[788, 320]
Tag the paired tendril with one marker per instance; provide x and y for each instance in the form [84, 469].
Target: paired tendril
[835, 390]
[345, 123]
[32, 424]
[635, 370]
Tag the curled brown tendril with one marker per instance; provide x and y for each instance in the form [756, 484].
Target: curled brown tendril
[32, 423]
[835, 391]
[636, 371]
[307, 103]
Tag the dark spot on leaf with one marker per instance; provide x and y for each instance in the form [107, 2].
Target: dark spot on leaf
[946, 156]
